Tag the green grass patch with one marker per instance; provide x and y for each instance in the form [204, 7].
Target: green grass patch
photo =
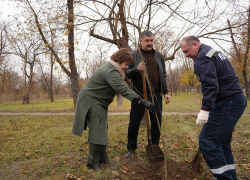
[38, 106]
[183, 102]
[42, 147]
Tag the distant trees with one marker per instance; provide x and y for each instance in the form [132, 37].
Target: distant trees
[28, 48]
[241, 50]
[69, 31]
[62, 26]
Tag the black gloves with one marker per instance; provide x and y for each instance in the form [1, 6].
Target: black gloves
[150, 106]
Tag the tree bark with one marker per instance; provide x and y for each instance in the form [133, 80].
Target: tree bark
[244, 72]
[72, 64]
[73, 75]
[51, 79]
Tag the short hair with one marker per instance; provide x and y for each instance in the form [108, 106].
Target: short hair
[146, 33]
[190, 39]
[122, 55]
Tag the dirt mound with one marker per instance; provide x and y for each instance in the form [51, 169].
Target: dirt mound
[135, 169]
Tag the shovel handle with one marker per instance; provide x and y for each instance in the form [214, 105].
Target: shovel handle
[146, 110]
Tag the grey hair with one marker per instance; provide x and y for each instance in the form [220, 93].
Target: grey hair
[146, 33]
[190, 39]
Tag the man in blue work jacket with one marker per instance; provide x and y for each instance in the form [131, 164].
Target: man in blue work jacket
[223, 103]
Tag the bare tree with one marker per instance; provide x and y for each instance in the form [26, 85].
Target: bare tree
[28, 49]
[3, 41]
[45, 79]
[57, 85]
[120, 22]
[72, 74]
[241, 49]
[188, 76]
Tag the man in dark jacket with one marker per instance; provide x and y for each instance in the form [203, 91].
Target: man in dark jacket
[223, 103]
[155, 66]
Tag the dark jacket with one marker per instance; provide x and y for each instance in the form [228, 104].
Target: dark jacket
[136, 78]
[95, 96]
[218, 79]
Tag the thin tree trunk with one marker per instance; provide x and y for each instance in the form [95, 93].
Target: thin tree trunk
[73, 74]
[51, 79]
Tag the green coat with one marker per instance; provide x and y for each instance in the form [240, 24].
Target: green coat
[95, 96]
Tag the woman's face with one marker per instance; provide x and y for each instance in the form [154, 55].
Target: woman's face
[124, 65]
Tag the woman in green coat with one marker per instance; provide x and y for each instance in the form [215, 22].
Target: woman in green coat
[94, 99]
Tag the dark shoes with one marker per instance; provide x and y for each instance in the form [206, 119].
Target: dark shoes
[96, 167]
[129, 153]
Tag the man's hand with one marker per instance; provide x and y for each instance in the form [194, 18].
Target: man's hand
[167, 98]
[202, 117]
[141, 67]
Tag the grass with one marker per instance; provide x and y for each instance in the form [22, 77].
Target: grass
[183, 102]
[38, 106]
[42, 147]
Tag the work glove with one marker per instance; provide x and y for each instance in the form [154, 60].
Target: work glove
[202, 117]
[150, 106]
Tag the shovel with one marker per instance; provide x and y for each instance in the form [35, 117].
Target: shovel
[196, 162]
[153, 150]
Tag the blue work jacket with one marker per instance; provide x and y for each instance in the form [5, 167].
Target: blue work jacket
[218, 79]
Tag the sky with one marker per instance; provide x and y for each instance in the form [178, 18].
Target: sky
[6, 8]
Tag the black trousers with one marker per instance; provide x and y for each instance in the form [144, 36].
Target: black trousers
[136, 114]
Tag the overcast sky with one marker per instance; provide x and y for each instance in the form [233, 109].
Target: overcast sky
[6, 8]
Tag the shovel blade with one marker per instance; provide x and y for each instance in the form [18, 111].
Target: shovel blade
[155, 153]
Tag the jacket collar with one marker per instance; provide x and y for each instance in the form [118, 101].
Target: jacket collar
[152, 50]
[201, 47]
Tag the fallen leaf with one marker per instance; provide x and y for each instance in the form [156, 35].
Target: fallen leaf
[133, 156]
[117, 159]
[125, 168]
[115, 173]
[178, 176]
[70, 176]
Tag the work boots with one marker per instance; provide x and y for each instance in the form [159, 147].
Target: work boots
[95, 151]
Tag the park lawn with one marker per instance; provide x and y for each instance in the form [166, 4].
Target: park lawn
[183, 102]
[38, 105]
[42, 147]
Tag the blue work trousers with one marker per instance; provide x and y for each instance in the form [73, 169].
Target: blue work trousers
[215, 137]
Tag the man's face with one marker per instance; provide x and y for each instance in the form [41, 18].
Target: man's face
[147, 43]
[190, 50]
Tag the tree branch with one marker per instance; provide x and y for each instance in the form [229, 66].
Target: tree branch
[46, 42]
